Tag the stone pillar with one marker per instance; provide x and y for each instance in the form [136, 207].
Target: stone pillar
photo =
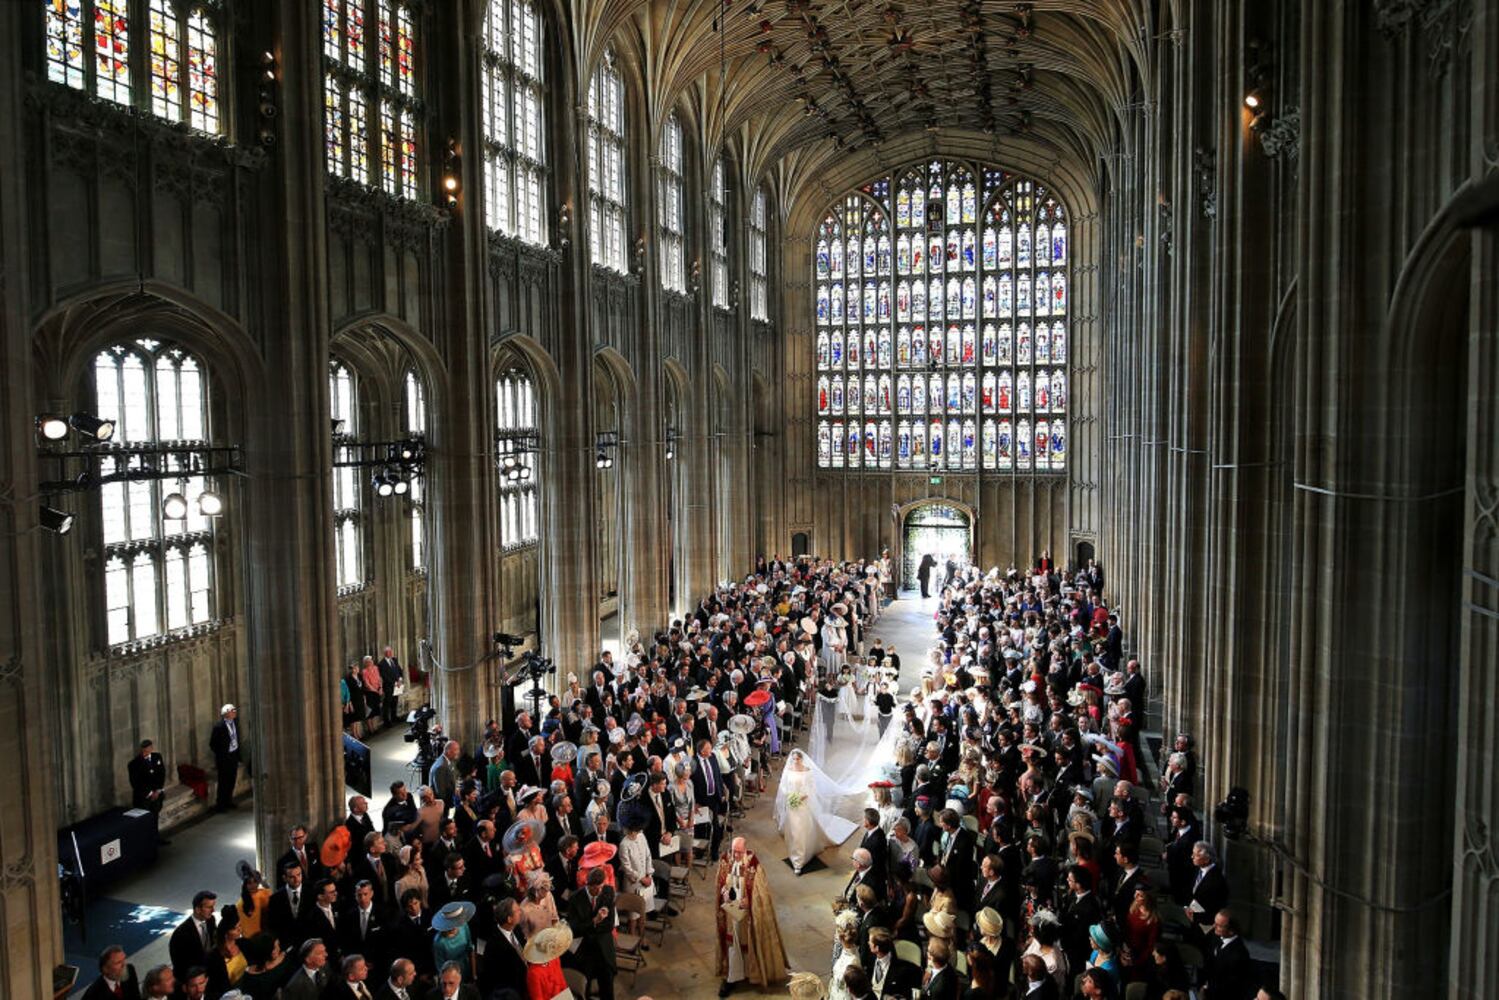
[30, 925]
[294, 727]
[464, 558]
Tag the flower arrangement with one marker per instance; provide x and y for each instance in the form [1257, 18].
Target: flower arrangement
[796, 800]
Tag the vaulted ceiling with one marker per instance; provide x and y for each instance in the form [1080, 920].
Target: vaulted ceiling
[809, 82]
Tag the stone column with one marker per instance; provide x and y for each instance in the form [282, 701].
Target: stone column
[30, 928]
[294, 727]
[461, 507]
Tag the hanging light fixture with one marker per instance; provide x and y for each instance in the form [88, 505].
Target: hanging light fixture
[210, 504]
[91, 426]
[174, 506]
[51, 426]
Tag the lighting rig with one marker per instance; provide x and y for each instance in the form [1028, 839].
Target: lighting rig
[671, 443]
[510, 455]
[605, 444]
[99, 461]
[395, 464]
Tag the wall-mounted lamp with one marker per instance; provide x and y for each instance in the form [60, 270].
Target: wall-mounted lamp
[1258, 108]
[452, 163]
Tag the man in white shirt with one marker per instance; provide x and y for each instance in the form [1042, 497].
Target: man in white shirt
[308, 982]
[351, 986]
[224, 742]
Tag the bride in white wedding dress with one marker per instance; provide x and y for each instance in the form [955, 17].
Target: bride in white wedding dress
[813, 812]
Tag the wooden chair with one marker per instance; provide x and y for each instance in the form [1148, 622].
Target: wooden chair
[629, 948]
[700, 848]
[971, 823]
[577, 982]
[960, 962]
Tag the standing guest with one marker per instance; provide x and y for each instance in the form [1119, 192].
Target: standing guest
[983, 975]
[224, 742]
[148, 780]
[450, 985]
[1035, 982]
[503, 962]
[351, 698]
[159, 983]
[939, 982]
[400, 813]
[400, 983]
[1209, 888]
[539, 909]
[358, 821]
[1142, 931]
[411, 935]
[352, 972]
[311, 866]
[890, 975]
[590, 916]
[267, 968]
[454, 942]
[390, 679]
[226, 963]
[285, 909]
[254, 899]
[1230, 970]
[543, 954]
[374, 687]
[360, 928]
[311, 977]
[194, 937]
[443, 775]
[414, 877]
[708, 792]
[429, 815]
[319, 922]
[117, 980]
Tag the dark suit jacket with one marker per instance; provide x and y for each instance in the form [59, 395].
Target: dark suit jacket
[1231, 972]
[299, 987]
[130, 986]
[147, 774]
[902, 978]
[371, 945]
[465, 992]
[1046, 989]
[218, 740]
[385, 884]
[413, 939]
[311, 872]
[501, 965]
[281, 921]
[527, 772]
[438, 894]
[874, 842]
[717, 800]
[477, 867]
[596, 946]
[186, 948]
[996, 898]
[315, 925]
[1179, 867]
[942, 986]
[358, 826]
[1124, 893]
[1212, 894]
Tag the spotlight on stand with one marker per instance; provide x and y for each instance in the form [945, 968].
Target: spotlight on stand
[174, 507]
[57, 521]
[51, 427]
[91, 426]
[1233, 813]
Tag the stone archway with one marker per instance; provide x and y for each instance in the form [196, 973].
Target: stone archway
[939, 527]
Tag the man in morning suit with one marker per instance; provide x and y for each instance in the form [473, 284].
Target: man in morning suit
[288, 904]
[708, 791]
[590, 914]
[117, 979]
[502, 964]
[390, 676]
[225, 743]
[194, 937]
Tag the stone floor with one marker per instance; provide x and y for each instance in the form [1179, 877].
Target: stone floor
[203, 856]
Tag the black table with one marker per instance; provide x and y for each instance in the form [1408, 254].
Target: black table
[108, 846]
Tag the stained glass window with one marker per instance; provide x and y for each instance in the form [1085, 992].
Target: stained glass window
[758, 272]
[516, 425]
[180, 40]
[415, 413]
[515, 158]
[158, 576]
[371, 100]
[348, 498]
[969, 326]
[718, 243]
[606, 166]
[669, 208]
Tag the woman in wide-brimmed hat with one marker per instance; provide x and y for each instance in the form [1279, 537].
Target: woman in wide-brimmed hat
[522, 846]
[454, 942]
[597, 855]
[543, 954]
[940, 926]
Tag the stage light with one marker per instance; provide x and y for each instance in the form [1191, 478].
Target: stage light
[507, 462]
[525, 472]
[210, 504]
[670, 454]
[408, 451]
[338, 426]
[91, 426]
[52, 427]
[382, 484]
[1252, 100]
[401, 486]
[54, 520]
[174, 507]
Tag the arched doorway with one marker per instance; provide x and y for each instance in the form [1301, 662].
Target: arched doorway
[941, 529]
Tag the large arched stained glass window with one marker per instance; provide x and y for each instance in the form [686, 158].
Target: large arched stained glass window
[515, 158]
[606, 166]
[370, 100]
[158, 570]
[515, 435]
[669, 208]
[414, 414]
[348, 501]
[941, 309]
[90, 45]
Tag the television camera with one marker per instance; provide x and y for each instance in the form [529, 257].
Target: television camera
[428, 737]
